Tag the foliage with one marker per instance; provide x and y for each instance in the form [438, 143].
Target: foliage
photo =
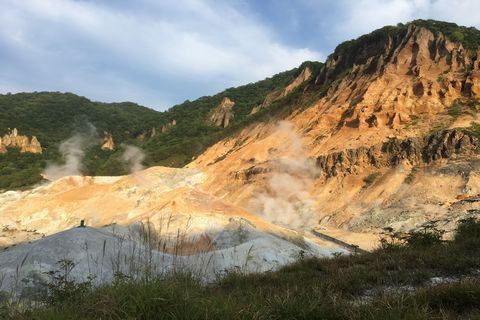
[455, 110]
[473, 130]
[20, 170]
[62, 289]
[428, 236]
[468, 233]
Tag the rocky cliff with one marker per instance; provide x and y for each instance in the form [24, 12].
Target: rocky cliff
[385, 118]
[443, 145]
[223, 113]
[107, 142]
[304, 75]
[13, 140]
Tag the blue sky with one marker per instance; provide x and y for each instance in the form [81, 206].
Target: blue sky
[161, 52]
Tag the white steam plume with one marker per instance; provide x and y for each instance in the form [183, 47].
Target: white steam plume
[287, 200]
[73, 152]
[133, 157]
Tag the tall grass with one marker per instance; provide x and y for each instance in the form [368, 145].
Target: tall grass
[401, 279]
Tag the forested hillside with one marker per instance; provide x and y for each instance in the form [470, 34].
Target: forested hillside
[53, 117]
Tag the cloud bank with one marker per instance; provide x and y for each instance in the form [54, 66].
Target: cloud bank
[152, 52]
[159, 53]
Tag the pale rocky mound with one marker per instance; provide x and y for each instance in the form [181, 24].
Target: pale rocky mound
[14, 140]
[380, 148]
[110, 251]
[223, 113]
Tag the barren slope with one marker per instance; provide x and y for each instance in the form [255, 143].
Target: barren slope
[374, 150]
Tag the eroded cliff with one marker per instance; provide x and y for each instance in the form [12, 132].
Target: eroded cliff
[223, 113]
[14, 140]
[393, 112]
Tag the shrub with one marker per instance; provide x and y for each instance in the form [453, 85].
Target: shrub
[368, 180]
[428, 236]
[455, 110]
[62, 288]
[468, 233]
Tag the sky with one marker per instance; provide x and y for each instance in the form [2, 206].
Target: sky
[159, 53]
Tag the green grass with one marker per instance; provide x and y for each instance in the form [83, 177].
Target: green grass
[391, 282]
[473, 130]
[455, 110]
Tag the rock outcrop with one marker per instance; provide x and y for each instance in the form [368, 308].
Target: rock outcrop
[167, 126]
[370, 112]
[223, 113]
[389, 76]
[277, 95]
[107, 143]
[13, 140]
[443, 145]
[299, 80]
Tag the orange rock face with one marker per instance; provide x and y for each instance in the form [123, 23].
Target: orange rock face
[376, 116]
[223, 113]
[14, 140]
[276, 95]
[107, 143]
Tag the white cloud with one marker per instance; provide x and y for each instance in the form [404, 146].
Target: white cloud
[364, 16]
[146, 51]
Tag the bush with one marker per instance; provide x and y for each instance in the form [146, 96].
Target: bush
[368, 180]
[468, 233]
[455, 110]
[428, 236]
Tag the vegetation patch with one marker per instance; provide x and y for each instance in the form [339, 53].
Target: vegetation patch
[455, 110]
[473, 130]
[368, 180]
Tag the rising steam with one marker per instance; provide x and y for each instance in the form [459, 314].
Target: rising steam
[287, 200]
[72, 151]
[133, 157]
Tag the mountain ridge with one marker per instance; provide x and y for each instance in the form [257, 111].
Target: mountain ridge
[177, 146]
[365, 131]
